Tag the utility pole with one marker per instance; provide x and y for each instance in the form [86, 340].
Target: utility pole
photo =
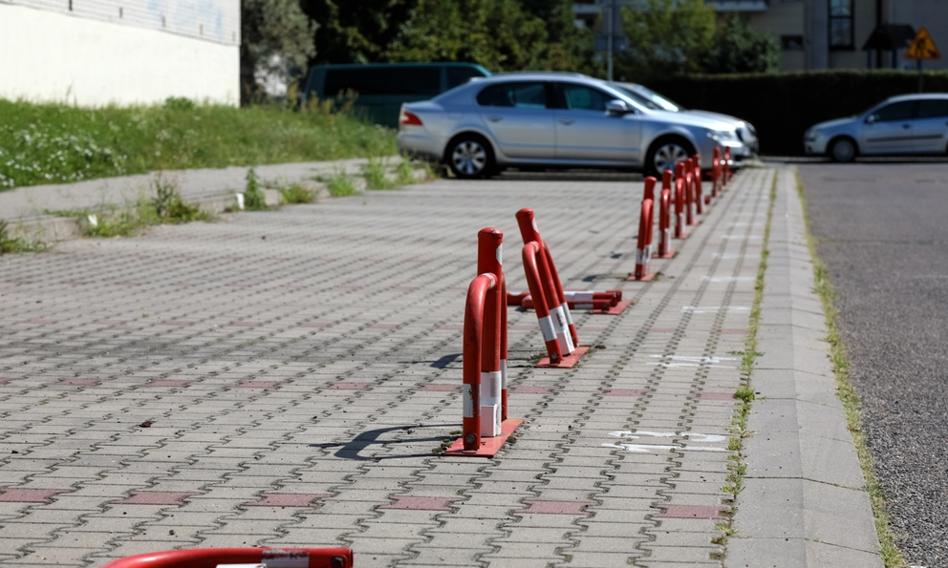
[610, 38]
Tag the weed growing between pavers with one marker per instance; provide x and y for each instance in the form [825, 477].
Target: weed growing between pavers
[10, 244]
[405, 173]
[737, 467]
[340, 185]
[374, 174]
[170, 207]
[296, 193]
[891, 555]
[254, 198]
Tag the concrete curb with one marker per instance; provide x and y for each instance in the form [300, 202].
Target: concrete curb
[804, 501]
[24, 209]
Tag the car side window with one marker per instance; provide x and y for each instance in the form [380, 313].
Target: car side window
[517, 95]
[903, 110]
[933, 108]
[581, 97]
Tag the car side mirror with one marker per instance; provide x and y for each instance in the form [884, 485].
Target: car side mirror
[872, 118]
[617, 106]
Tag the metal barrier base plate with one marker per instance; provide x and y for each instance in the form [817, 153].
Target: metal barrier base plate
[647, 278]
[671, 254]
[614, 310]
[566, 362]
[489, 446]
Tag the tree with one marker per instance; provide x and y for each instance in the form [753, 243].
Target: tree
[495, 33]
[276, 44]
[567, 47]
[666, 37]
[356, 32]
[739, 49]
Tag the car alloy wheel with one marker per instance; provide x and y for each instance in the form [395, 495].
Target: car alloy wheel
[667, 155]
[843, 150]
[469, 158]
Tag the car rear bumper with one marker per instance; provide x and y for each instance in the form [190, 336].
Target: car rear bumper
[418, 143]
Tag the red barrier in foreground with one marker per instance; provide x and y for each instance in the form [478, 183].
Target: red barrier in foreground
[716, 172]
[689, 192]
[599, 302]
[727, 167]
[485, 426]
[664, 217]
[643, 243]
[333, 557]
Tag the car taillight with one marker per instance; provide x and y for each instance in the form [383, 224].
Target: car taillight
[409, 119]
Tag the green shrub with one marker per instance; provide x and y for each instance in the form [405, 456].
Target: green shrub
[296, 193]
[374, 174]
[340, 185]
[405, 173]
[170, 207]
[254, 198]
[783, 105]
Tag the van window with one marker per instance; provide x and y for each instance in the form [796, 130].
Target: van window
[383, 81]
[520, 95]
[460, 75]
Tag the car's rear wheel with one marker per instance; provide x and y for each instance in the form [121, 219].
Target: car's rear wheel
[664, 153]
[470, 157]
[842, 150]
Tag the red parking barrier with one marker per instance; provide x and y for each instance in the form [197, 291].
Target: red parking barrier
[330, 557]
[689, 192]
[727, 167]
[716, 172]
[664, 217]
[485, 426]
[643, 243]
[680, 196]
[700, 201]
[599, 302]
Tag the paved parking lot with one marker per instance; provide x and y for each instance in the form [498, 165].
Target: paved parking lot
[288, 378]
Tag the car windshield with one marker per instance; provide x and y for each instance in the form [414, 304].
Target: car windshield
[636, 96]
[660, 102]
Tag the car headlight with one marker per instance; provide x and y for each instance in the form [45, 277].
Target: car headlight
[721, 135]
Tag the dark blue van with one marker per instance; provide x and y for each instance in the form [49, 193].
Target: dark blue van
[381, 88]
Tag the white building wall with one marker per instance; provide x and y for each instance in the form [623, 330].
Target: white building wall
[97, 52]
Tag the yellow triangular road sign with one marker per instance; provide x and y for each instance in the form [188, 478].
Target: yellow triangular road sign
[923, 46]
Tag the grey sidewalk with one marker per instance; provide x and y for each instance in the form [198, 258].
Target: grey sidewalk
[288, 377]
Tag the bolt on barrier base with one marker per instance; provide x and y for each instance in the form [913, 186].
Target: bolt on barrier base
[485, 424]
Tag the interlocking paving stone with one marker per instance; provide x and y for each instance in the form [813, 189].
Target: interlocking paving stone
[18, 495]
[298, 387]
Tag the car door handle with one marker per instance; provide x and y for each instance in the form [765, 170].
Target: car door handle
[567, 121]
[495, 118]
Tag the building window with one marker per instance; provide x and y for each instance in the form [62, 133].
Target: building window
[791, 42]
[841, 24]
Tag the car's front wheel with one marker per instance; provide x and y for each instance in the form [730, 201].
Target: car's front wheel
[470, 157]
[664, 153]
[843, 150]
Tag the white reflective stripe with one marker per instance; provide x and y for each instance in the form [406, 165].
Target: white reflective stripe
[640, 256]
[565, 341]
[569, 315]
[648, 253]
[577, 296]
[241, 566]
[468, 400]
[500, 254]
[490, 387]
[546, 328]
[490, 421]
[562, 316]
[285, 559]
[534, 222]
[503, 373]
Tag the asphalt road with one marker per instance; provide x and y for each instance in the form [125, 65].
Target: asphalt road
[883, 234]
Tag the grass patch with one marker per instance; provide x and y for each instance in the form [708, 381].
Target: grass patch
[341, 185]
[891, 555]
[374, 174]
[57, 143]
[737, 467]
[296, 193]
[170, 207]
[405, 173]
[10, 245]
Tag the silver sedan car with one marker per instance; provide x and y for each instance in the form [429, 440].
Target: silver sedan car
[554, 120]
[903, 125]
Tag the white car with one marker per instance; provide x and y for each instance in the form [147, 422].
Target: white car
[745, 130]
[555, 120]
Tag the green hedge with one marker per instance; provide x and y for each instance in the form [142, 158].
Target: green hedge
[783, 105]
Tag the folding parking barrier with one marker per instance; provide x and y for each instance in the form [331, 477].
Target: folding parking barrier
[680, 232]
[700, 201]
[248, 557]
[605, 302]
[664, 217]
[689, 192]
[643, 243]
[485, 425]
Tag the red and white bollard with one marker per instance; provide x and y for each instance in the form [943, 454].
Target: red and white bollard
[328, 557]
[700, 200]
[716, 172]
[485, 426]
[680, 199]
[599, 302]
[689, 192]
[643, 245]
[664, 217]
[727, 167]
